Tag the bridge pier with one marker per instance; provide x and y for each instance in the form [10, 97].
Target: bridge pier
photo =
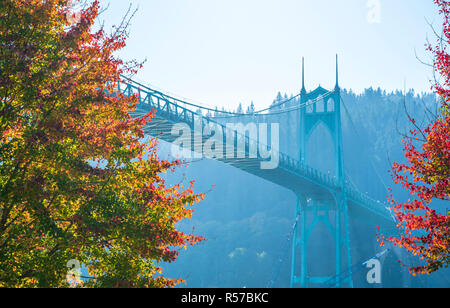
[342, 240]
[309, 214]
[297, 241]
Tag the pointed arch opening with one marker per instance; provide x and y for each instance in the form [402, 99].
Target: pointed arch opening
[320, 106]
[321, 243]
[320, 150]
[330, 105]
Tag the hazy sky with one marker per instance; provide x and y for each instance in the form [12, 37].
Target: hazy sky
[222, 52]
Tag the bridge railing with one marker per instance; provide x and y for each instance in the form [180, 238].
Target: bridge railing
[177, 110]
[325, 179]
[374, 205]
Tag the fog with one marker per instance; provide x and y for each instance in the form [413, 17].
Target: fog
[246, 219]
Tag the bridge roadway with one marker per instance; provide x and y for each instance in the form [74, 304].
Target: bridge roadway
[290, 173]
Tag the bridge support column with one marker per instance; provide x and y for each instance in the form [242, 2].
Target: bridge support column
[342, 239]
[318, 211]
[346, 239]
[299, 242]
[337, 239]
[308, 216]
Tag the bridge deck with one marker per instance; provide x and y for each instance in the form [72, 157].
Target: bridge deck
[290, 173]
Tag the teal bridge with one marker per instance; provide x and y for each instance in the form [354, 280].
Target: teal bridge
[318, 194]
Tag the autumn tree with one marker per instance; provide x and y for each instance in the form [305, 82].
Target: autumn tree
[424, 231]
[78, 180]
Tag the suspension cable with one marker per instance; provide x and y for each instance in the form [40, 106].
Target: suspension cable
[334, 281]
[359, 137]
[287, 110]
[283, 254]
[236, 114]
[304, 105]
[179, 100]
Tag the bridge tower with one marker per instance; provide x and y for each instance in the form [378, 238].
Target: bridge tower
[310, 212]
